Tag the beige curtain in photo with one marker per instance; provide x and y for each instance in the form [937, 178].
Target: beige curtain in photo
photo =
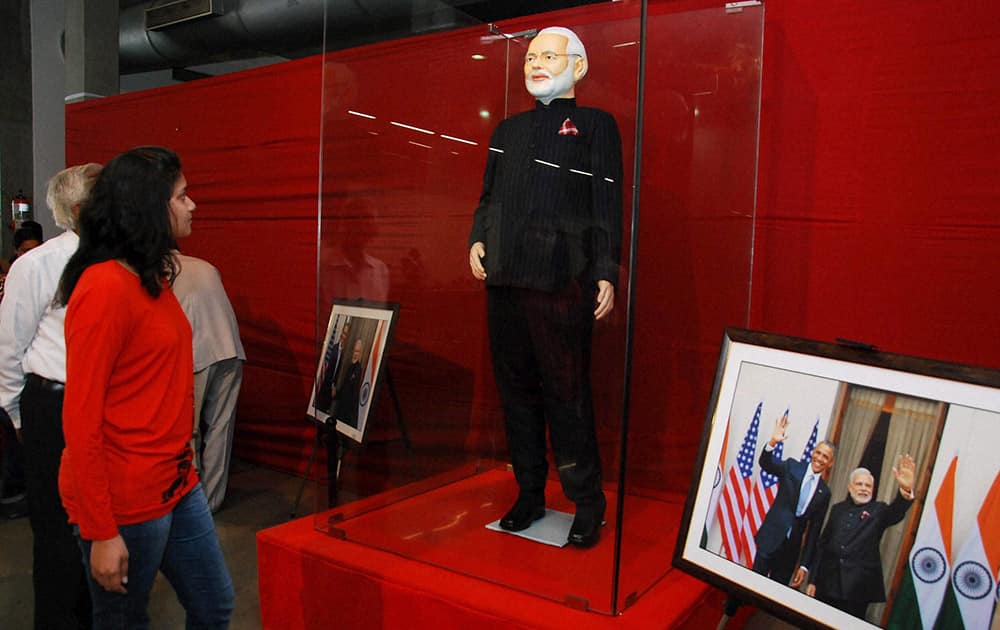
[861, 412]
[912, 428]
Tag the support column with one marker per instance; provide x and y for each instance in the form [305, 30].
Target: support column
[47, 86]
[15, 111]
[91, 49]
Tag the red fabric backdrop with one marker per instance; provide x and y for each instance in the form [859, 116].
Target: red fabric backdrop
[877, 215]
[249, 148]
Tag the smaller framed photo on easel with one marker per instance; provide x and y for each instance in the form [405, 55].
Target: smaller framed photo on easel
[351, 365]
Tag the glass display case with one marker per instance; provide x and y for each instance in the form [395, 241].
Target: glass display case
[406, 135]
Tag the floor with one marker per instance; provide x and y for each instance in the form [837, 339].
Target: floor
[257, 498]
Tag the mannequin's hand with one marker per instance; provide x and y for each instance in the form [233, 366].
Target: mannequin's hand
[476, 254]
[605, 299]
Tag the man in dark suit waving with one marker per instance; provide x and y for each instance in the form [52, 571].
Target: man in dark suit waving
[848, 572]
[798, 509]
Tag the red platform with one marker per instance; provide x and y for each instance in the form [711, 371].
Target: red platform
[405, 565]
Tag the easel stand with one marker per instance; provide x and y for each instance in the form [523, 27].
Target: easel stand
[729, 608]
[337, 447]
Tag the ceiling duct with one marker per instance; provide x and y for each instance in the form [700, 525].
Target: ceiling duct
[287, 28]
[238, 29]
[177, 11]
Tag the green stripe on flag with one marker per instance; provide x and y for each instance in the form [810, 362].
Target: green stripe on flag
[905, 613]
[950, 617]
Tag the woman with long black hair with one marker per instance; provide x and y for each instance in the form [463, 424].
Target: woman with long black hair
[126, 477]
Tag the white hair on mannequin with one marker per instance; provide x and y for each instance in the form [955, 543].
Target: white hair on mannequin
[573, 46]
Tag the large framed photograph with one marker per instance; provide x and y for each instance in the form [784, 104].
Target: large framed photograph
[839, 486]
[351, 365]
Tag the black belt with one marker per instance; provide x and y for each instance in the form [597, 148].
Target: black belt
[44, 384]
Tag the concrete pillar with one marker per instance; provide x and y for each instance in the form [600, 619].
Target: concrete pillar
[91, 49]
[15, 112]
[48, 87]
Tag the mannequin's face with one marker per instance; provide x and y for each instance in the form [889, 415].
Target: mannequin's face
[550, 73]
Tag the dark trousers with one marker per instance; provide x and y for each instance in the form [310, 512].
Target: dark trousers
[541, 359]
[780, 564]
[61, 596]
[12, 471]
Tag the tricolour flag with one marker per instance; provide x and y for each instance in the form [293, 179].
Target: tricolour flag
[365, 395]
[761, 499]
[925, 581]
[974, 569]
[736, 493]
[713, 501]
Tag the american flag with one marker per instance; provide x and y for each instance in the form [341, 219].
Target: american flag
[761, 499]
[736, 494]
[807, 452]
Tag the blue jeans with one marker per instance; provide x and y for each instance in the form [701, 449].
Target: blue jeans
[184, 546]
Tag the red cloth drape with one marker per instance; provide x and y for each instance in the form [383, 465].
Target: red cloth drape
[877, 216]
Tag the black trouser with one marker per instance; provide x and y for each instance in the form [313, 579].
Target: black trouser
[61, 596]
[12, 470]
[778, 565]
[541, 359]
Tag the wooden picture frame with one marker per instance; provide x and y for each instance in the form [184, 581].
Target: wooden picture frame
[871, 404]
[351, 365]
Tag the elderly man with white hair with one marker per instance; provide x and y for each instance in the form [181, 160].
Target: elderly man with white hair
[848, 572]
[32, 381]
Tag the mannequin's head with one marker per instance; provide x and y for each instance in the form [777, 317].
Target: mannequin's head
[555, 61]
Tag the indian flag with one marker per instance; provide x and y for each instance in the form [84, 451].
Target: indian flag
[713, 501]
[974, 570]
[364, 399]
[926, 579]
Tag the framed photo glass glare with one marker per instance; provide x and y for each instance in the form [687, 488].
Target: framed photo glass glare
[875, 556]
[351, 365]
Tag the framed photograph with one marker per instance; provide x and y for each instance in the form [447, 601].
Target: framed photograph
[351, 365]
[839, 486]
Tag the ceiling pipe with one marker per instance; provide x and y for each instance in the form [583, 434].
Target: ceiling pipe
[286, 28]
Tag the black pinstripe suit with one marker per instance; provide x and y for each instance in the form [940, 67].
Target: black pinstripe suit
[550, 218]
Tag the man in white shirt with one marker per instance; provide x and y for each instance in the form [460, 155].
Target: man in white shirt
[32, 376]
[218, 370]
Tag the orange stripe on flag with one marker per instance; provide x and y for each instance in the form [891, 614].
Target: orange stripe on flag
[944, 503]
[375, 353]
[989, 524]
[725, 445]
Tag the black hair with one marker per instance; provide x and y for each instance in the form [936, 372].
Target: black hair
[127, 218]
[23, 234]
[34, 228]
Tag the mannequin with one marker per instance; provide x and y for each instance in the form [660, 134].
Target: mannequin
[545, 241]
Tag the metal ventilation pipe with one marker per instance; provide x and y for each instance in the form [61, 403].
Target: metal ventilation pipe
[290, 28]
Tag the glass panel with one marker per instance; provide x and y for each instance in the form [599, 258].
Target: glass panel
[406, 133]
[697, 194]
[611, 35]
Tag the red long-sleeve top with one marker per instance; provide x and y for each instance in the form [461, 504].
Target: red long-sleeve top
[129, 403]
